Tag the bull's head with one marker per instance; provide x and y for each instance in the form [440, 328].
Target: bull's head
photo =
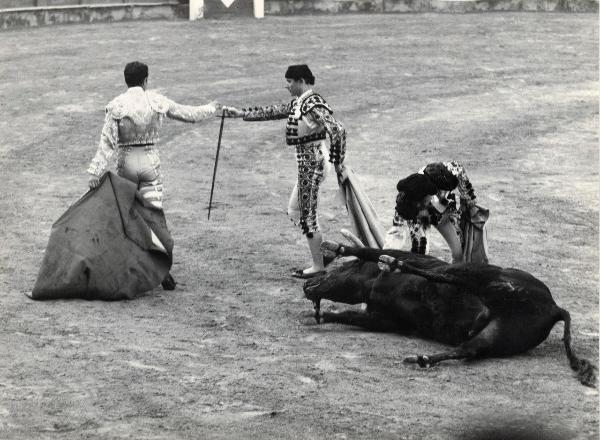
[347, 280]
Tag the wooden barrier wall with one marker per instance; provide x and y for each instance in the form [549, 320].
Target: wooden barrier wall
[291, 7]
[25, 13]
[6, 4]
[22, 13]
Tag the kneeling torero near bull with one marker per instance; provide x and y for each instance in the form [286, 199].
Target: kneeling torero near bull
[481, 309]
[440, 195]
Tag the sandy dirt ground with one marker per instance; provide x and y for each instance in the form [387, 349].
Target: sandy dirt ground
[234, 352]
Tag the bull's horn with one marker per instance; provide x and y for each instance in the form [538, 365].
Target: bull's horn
[353, 239]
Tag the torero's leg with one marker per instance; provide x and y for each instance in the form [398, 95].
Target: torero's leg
[151, 179]
[314, 244]
[314, 239]
[306, 195]
[448, 230]
[150, 191]
[418, 237]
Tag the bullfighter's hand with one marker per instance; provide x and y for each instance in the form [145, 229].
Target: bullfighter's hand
[232, 112]
[217, 105]
[93, 181]
[341, 171]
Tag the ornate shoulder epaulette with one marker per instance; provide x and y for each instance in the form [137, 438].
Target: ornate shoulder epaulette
[313, 101]
[116, 107]
[158, 102]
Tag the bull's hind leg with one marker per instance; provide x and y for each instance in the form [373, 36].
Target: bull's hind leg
[478, 346]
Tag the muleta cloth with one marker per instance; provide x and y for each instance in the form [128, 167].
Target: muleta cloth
[475, 249]
[363, 217]
[107, 246]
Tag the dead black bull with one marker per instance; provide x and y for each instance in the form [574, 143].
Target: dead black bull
[482, 310]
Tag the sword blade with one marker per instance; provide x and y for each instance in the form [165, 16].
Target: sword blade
[212, 187]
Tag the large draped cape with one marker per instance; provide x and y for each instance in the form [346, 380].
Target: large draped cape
[106, 246]
[363, 217]
[475, 249]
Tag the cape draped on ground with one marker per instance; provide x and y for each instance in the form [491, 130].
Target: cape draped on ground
[364, 219]
[106, 246]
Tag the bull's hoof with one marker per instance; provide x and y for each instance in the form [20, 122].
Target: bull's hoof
[330, 249]
[422, 361]
[384, 267]
[387, 263]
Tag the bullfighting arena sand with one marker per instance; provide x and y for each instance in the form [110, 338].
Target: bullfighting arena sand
[234, 352]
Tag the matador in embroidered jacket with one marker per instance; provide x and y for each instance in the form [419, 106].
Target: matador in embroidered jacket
[435, 196]
[309, 120]
[130, 135]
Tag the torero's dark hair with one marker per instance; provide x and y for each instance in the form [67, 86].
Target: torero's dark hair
[135, 73]
[416, 186]
[407, 209]
[300, 71]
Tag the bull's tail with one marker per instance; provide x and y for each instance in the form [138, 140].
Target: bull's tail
[584, 369]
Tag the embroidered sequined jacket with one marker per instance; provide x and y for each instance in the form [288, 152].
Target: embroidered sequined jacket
[448, 178]
[309, 119]
[135, 118]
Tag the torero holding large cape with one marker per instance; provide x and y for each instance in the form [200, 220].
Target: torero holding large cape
[107, 246]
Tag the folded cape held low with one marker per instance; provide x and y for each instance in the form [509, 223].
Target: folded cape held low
[475, 249]
[107, 246]
[363, 217]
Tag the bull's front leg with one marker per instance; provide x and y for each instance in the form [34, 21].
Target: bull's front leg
[364, 253]
[317, 306]
[388, 263]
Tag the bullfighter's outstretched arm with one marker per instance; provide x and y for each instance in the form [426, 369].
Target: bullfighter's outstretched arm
[191, 113]
[267, 112]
